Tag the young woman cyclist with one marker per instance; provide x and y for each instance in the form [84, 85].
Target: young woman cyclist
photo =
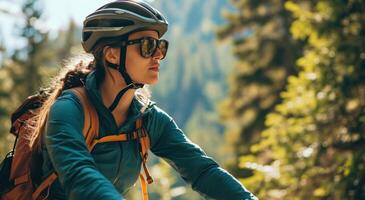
[124, 38]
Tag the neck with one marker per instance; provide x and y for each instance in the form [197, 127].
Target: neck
[110, 88]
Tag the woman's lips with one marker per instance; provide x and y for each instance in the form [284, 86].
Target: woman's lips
[155, 68]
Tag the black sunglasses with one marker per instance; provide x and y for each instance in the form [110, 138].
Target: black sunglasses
[149, 45]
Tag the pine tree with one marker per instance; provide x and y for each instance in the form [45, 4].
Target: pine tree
[266, 55]
[20, 73]
[30, 57]
[315, 140]
[69, 41]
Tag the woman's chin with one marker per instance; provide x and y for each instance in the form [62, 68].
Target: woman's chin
[151, 81]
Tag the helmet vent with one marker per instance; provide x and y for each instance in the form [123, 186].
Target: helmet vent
[130, 6]
[109, 23]
[159, 16]
[86, 35]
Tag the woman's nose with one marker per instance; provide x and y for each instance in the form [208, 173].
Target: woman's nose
[158, 54]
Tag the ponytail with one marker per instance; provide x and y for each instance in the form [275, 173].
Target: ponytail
[71, 76]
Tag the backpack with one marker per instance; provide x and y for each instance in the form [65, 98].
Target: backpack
[18, 170]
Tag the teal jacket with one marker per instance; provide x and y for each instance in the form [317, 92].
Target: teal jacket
[112, 168]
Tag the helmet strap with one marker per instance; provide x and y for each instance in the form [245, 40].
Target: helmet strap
[121, 93]
[123, 71]
[122, 68]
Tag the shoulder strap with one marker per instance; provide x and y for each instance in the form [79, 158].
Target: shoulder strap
[91, 129]
[90, 132]
[91, 119]
[144, 142]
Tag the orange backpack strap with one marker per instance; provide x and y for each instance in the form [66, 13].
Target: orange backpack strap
[144, 147]
[141, 134]
[91, 121]
[46, 184]
[144, 143]
[90, 131]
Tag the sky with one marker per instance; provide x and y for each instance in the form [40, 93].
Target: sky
[56, 15]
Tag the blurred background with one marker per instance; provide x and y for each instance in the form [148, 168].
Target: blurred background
[273, 90]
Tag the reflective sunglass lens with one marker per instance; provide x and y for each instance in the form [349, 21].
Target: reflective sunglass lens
[163, 45]
[148, 47]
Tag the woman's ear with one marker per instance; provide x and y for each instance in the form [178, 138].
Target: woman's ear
[111, 54]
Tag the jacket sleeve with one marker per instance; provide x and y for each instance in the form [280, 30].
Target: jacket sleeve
[69, 155]
[195, 167]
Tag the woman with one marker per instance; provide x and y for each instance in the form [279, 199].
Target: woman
[123, 37]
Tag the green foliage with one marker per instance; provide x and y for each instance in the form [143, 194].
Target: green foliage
[21, 74]
[314, 140]
[8, 101]
[266, 53]
[30, 57]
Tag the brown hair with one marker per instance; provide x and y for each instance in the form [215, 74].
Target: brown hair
[68, 77]
[72, 75]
